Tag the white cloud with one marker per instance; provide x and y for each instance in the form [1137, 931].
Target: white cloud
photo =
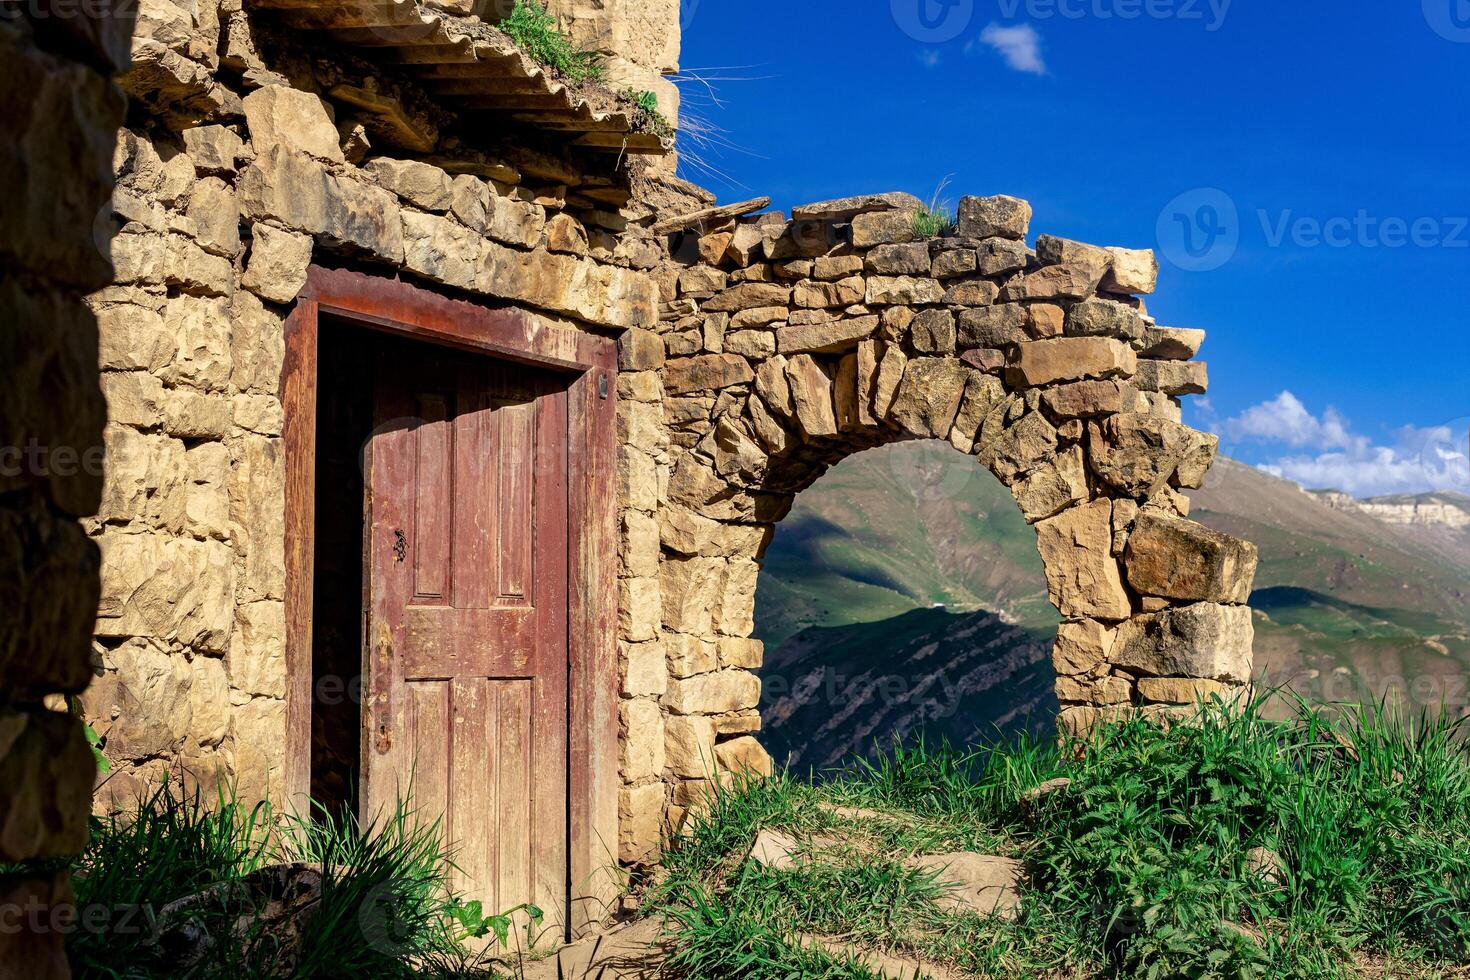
[1285, 419]
[1019, 46]
[1414, 460]
[929, 58]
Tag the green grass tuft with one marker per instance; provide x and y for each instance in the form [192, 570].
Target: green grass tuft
[646, 116]
[535, 31]
[386, 907]
[1141, 866]
[935, 218]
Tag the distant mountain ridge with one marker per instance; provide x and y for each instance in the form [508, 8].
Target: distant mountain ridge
[1347, 602]
[1440, 509]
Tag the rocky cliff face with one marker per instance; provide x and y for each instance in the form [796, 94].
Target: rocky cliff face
[1431, 510]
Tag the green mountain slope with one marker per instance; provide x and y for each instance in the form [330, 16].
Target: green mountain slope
[1348, 606]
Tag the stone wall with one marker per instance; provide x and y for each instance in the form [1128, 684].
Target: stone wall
[230, 181]
[57, 125]
[784, 346]
[642, 38]
[754, 352]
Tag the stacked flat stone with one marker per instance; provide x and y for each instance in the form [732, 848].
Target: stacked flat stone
[785, 346]
[220, 222]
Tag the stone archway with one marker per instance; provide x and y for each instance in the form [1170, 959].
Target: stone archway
[792, 345]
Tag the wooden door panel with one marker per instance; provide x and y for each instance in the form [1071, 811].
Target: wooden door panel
[433, 492]
[468, 559]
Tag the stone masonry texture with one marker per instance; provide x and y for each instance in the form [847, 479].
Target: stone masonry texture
[755, 352]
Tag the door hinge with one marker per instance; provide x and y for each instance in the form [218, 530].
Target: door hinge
[602, 386]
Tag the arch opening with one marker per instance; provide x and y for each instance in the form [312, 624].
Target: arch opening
[794, 345]
[903, 596]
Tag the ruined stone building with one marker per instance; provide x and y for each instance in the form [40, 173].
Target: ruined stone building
[444, 429]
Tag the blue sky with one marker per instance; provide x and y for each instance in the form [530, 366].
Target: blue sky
[1316, 153]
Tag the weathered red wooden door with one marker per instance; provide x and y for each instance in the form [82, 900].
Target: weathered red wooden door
[465, 695]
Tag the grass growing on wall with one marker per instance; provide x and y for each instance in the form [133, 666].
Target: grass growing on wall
[535, 32]
[935, 218]
[1144, 865]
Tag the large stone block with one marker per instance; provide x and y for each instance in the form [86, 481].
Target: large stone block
[1043, 362]
[1132, 271]
[257, 657]
[811, 396]
[1173, 377]
[982, 393]
[440, 249]
[1141, 454]
[132, 338]
[291, 119]
[1082, 647]
[1180, 559]
[883, 228]
[928, 398]
[1053, 487]
[166, 588]
[152, 700]
[713, 694]
[643, 669]
[146, 479]
[1105, 318]
[744, 756]
[692, 589]
[691, 655]
[706, 372]
[639, 609]
[1082, 576]
[597, 293]
[685, 532]
[748, 295]
[216, 217]
[1204, 640]
[421, 184]
[1077, 279]
[902, 291]
[994, 217]
[1022, 447]
[689, 742]
[994, 327]
[900, 260]
[640, 822]
[257, 345]
[1084, 399]
[830, 336]
[827, 295]
[258, 511]
[298, 192]
[641, 737]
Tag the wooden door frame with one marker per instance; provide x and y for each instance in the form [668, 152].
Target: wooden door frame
[393, 306]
